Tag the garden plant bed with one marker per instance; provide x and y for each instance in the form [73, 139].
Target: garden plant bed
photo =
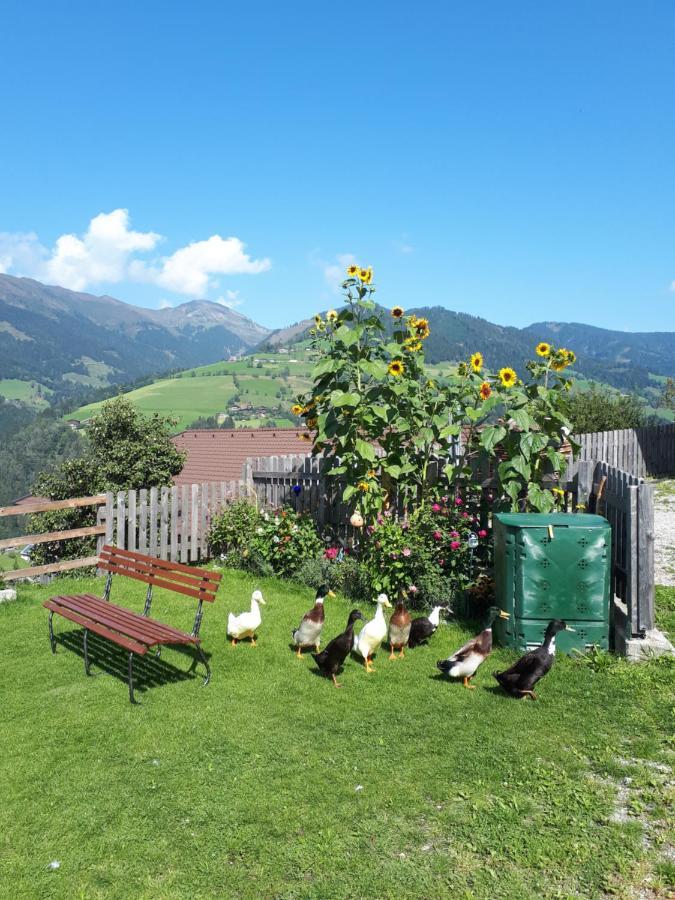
[271, 783]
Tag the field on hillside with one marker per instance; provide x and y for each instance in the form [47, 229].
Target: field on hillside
[271, 783]
[30, 392]
[268, 382]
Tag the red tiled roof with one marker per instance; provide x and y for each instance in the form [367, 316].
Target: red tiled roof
[219, 455]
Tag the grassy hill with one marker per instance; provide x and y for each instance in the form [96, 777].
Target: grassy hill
[266, 382]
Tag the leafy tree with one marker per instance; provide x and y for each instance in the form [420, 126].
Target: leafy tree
[124, 450]
[668, 395]
[602, 410]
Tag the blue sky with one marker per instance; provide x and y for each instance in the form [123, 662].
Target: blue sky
[511, 160]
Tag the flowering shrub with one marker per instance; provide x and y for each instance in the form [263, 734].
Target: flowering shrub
[370, 390]
[285, 540]
[234, 529]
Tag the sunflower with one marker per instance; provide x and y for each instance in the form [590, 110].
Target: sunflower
[412, 345]
[396, 368]
[331, 315]
[397, 312]
[312, 423]
[507, 376]
[366, 275]
[559, 361]
[296, 409]
[485, 390]
[543, 349]
[476, 362]
[364, 486]
[318, 319]
[461, 369]
[353, 271]
[570, 356]
[558, 491]
[422, 328]
[372, 473]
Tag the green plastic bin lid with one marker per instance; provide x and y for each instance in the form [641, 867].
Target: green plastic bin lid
[543, 520]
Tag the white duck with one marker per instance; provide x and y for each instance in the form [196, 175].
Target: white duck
[367, 641]
[246, 623]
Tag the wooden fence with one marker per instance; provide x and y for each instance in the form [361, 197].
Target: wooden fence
[638, 451]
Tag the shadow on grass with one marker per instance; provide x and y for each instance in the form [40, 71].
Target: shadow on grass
[149, 671]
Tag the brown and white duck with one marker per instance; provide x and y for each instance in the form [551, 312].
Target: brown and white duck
[399, 628]
[308, 632]
[464, 662]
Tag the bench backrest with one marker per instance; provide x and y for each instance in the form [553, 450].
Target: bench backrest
[192, 582]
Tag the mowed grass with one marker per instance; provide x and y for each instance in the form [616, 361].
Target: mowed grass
[271, 783]
[25, 391]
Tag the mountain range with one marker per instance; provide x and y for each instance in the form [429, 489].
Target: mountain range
[66, 340]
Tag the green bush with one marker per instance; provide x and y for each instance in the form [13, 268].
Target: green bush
[347, 575]
[286, 540]
[234, 530]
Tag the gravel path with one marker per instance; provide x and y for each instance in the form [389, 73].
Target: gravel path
[664, 528]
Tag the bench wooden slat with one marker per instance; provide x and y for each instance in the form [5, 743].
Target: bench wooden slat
[98, 607]
[125, 621]
[133, 568]
[161, 583]
[192, 582]
[97, 628]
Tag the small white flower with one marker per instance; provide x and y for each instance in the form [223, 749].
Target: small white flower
[54, 864]
[359, 787]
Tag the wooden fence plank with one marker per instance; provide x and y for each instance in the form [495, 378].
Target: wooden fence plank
[121, 520]
[184, 525]
[164, 524]
[645, 555]
[194, 524]
[131, 521]
[51, 505]
[152, 525]
[174, 524]
[50, 569]
[51, 536]
[143, 521]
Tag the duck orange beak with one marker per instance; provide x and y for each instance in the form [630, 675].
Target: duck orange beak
[503, 614]
[331, 593]
[569, 628]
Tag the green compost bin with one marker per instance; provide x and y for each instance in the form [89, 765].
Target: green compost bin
[552, 566]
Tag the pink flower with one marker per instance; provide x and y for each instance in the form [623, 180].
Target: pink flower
[412, 589]
[458, 501]
[482, 533]
[436, 507]
[437, 535]
[441, 562]
[405, 526]
[465, 515]
[455, 545]
[444, 499]
[406, 551]
[331, 552]
[454, 534]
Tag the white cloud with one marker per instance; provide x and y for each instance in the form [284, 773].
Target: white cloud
[189, 270]
[231, 299]
[164, 304]
[107, 253]
[335, 272]
[404, 247]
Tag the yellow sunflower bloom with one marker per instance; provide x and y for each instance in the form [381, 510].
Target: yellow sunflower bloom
[422, 328]
[462, 369]
[396, 368]
[331, 315]
[412, 344]
[397, 312]
[507, 376]
[476, 362]
[312, 423]
[296, 409]
[570, 356]
[366, 275]
[543, 349]
[485, 390]
[318, 319]
[353, 271]
[363, 486]
[559, 361]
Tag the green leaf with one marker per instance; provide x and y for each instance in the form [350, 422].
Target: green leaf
[346, 335]
[380, 412]
[491, 435]
[521, 418]
[325, 366]
[449, 472]
[344, 398]
[450, 431]
[540, 499]
[365, 450]
[348, 492]
[376, 368]
[393, 470]
[473, 413]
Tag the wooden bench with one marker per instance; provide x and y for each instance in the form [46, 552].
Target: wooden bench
[136, 632]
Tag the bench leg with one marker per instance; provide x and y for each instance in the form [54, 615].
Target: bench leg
[52, 642]
[200, 655]
[86, 653]
[131, 678]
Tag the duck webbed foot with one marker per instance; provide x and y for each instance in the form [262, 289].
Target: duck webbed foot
[471, 687]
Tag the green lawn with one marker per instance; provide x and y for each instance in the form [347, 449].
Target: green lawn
[12, 561]
[271, 783]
